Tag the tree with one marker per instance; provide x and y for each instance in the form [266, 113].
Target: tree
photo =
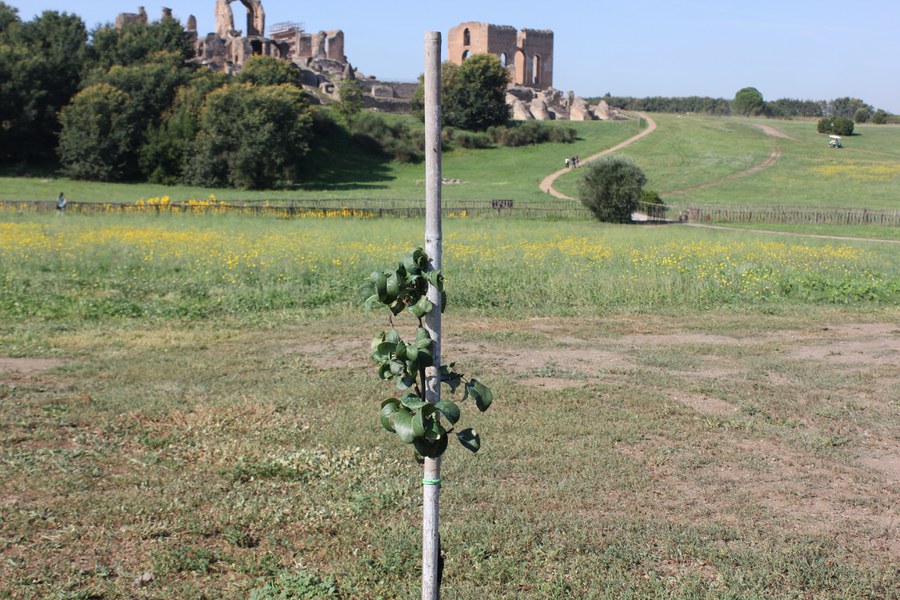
[748, 102]
[611, 189]
[9, 15]
[880, 117]
[473, 94]
[476, 99]
[97, 139]
[136, 42]
[268, 70]
[152, 86]
[163, 155]
[41, 65]
[846, 107]
[251, 137]
[351, 99]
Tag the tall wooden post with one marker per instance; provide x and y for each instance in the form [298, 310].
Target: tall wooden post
[433, 234]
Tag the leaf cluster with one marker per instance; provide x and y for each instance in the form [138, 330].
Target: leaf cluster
[425, 425]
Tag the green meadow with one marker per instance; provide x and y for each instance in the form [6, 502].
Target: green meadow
[188, 408]
[687, 153]
[679, 413]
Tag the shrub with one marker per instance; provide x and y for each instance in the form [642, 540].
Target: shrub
[471, 139]
[398, 141]
[251, 137]
[880, 117]
[835, 125]
[98, 138]
[651, 197]
[611, 189]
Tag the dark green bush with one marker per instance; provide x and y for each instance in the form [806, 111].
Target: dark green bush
[835, 125]
[611, 189]
[398, 141]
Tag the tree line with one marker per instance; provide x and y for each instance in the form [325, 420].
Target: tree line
[129, 104]
[749, 101]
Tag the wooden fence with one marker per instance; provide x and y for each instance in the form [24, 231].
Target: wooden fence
[786, 214]
[374, 208]
[352, 208]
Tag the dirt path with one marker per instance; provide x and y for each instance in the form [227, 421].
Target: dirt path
[768, 162]
[547, 183]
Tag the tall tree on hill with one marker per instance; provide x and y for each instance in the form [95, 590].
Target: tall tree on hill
[473, 94]
[748, 102]
[137, 42]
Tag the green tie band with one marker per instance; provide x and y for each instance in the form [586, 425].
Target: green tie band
[431, 482]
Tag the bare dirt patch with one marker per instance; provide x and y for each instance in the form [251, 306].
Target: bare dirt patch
[861, 345]
[769, 130]
[27, 366]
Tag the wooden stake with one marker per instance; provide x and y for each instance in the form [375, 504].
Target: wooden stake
[433, 234]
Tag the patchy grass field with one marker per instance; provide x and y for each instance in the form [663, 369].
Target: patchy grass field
[722, 454]
[187, 410]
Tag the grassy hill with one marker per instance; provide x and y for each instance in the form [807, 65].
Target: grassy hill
[689, 159]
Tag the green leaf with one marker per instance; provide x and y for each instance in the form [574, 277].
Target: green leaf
[469, 439]
[421, 308]
[422, 335]
[392, 335]
[400, 351]
[425, 359]
[370, 302]
[412, 352]
[433, 430]
[431, 448]
[481, 393]
[388, 408]
[392, 288]
[436, 278]
[415, 260]
[403, 425]
[397, 368]
[418, 423]
[450, 410]
[380, 281]
[412, 402]
[384, 371]
[450, 377]
[405, 382]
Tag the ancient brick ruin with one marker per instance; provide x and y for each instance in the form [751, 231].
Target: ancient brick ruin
[528, 54]
[319, 56]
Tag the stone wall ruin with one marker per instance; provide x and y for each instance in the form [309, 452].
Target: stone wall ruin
[527, 54]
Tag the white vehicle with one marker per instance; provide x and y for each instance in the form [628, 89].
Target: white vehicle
[835, 141]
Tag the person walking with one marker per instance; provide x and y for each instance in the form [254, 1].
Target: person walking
[61, 203]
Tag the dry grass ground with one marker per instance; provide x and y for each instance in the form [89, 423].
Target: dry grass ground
[705, 455]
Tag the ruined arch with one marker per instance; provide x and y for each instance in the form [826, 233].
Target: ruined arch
[466, 55]
[536, 70]
[256, 17]
[521, 64]
[467, 37]
[503, 59]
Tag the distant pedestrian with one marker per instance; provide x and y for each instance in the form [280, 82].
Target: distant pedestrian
[61, 203]
[567, 163]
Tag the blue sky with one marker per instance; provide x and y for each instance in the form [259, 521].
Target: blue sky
[786, 49]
